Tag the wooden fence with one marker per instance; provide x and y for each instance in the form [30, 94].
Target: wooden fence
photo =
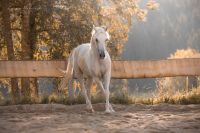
[120, 69]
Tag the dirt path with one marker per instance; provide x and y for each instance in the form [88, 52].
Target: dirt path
[56, 118]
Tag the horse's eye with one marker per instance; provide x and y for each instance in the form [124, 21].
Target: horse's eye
[97, 40]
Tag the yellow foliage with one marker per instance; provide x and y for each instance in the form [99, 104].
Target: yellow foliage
[170, 85]
[141, 14]
[182, 53]
[152, 5]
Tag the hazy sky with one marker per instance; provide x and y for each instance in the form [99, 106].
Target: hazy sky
[175, 25]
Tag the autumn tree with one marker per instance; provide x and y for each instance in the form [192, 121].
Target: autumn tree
[7, 33]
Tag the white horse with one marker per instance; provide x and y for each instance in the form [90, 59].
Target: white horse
[91, 62]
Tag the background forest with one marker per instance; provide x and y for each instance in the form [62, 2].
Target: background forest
[50, 29]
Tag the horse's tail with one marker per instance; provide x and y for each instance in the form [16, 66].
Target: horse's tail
[68, 74]
[70, 65]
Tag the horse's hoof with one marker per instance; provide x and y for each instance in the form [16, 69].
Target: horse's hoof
[108, 111]
[111, 109]
[91, 110]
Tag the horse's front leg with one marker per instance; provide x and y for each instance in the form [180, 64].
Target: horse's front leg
[106, 91]
[88, 102]
[106, 80]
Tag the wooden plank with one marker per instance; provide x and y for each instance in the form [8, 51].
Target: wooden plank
[156, 68]
[31, 68]
[120, 69]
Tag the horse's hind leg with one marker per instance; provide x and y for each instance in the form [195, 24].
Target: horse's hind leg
[89, 85]
[88, 102]
[71, 90]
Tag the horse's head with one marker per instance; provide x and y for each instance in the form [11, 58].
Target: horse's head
[99, 38]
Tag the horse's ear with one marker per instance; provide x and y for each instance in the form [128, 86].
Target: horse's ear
[93, 30]
[105, 28]
[108, 35]
[93, 27]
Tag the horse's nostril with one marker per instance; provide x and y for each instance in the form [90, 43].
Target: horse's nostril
[102, 55]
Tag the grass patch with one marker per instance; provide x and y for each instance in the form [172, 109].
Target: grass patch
[119, 97]
[192, 97]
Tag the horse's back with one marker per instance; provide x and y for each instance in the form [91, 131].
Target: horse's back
[83, 47]
[82, 50]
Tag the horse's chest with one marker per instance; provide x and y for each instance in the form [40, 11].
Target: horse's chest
[99, 70]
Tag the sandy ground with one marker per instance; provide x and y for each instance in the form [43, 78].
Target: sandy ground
[56, 118]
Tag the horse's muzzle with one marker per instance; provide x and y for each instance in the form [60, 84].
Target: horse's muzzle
[102, 55]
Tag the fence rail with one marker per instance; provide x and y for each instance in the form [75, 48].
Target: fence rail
[120, 69]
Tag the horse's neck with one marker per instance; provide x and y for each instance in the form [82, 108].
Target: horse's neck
[95, 63]
[94, 53]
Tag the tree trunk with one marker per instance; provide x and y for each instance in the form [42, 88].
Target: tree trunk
[26, 49]
[33, 37]
[29, 85]
[9, 42]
